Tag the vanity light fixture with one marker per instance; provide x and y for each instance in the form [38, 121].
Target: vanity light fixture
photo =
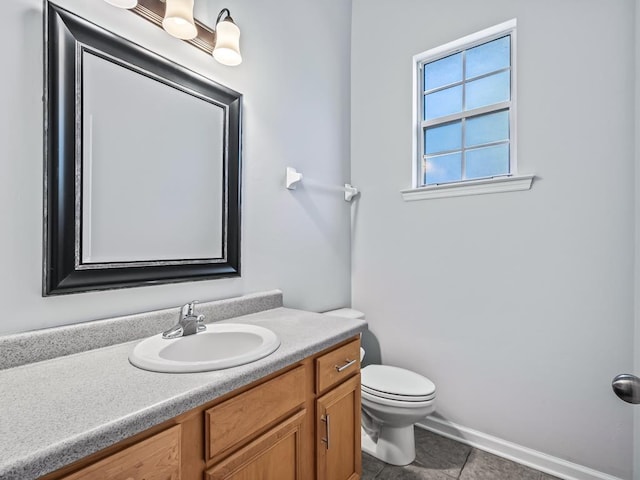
[176, 17]
[226, 46]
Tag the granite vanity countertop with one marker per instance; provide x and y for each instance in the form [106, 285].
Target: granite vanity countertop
[55, 412]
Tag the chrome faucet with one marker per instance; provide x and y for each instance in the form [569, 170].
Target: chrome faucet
[189, 323]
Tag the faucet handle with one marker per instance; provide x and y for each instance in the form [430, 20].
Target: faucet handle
[187, 309]
[192, 306]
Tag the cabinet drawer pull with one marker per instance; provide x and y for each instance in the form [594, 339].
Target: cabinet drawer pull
[325, 419]
[346, 365]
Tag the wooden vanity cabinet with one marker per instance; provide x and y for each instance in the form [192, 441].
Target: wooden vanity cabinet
[301, 423]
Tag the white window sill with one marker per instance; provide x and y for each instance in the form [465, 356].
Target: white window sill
[511, 183]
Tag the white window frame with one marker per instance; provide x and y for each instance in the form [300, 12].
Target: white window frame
[502, 183]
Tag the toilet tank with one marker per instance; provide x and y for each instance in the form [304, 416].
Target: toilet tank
[348, 313]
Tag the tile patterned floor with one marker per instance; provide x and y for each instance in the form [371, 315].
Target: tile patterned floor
[439, 458]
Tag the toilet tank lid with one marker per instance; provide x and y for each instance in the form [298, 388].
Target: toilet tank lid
[345, 313]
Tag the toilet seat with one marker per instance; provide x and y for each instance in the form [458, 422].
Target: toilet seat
[397, 384]
[400, 398]
[369, 400]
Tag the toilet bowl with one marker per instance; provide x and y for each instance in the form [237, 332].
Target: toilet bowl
[393, 400]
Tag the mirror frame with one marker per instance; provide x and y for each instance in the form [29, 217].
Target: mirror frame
[67, 36]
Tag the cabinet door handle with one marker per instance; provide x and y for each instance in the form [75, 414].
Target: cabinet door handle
[342, 368]
[325, 419]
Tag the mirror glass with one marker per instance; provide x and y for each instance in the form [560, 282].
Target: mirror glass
[142, 165]
[176, 212]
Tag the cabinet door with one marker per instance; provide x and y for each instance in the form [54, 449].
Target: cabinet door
[276, 455]
[338, 432]
[156, 458]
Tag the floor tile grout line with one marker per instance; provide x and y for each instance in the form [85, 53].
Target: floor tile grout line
[465, 462]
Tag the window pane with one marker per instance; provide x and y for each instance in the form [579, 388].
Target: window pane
[443, 169]
[488, 90]
[487, 162]
[443, 72]
[489, 57]
[443, 138]
[492, 127]
[442, 103]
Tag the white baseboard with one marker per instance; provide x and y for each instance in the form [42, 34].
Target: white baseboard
[514, 452]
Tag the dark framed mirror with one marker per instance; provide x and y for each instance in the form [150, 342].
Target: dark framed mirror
[142, 165]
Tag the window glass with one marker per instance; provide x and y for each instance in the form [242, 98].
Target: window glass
[443, 168]
[443, 138]
[488, 90]
[487, 161]
[488, 57]
[489, 128]
[443, 72]
[443, 102]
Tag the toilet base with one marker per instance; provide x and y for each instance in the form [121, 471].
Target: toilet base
[395, 445]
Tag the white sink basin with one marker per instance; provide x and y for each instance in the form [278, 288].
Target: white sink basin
[221, 346]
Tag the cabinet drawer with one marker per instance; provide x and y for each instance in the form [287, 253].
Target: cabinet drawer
[156, 458]
[236, 420]
[276, 455]
[337, 365]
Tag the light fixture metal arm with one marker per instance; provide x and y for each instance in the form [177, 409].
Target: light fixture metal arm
[222, 12]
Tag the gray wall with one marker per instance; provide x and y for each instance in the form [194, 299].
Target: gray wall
[296, 112]
[519, 306]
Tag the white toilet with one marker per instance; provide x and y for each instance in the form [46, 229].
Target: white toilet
[393, 399]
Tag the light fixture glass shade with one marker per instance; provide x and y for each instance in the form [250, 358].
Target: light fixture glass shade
[178, 19]
[227, 48]
[122, 3]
